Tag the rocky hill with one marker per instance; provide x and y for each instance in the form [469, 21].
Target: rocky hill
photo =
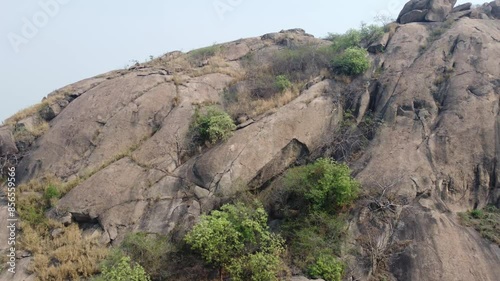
[422, 138]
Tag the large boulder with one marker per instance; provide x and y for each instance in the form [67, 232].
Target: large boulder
[495, 9]
[463, 7]
[426, 11]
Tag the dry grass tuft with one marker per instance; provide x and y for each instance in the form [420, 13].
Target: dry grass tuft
[261, 106]
[246, 105]
[35, 109]
[70, 256]
[40, 129]
[65, 256]
[24, 113]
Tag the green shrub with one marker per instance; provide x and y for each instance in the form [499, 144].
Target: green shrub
[52, 192]
[238, 240]
[314, 226]
[352, 38]
[327, 267]
[359, 38]
[122, 271]
[213, 126]
[353, 61]
[477, 214]
[325, 184]
[282, 83]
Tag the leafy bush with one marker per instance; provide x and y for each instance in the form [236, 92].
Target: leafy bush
[353, 61]
[327, 267]
[123, 270]
[352, 38]
[282, 83]
[213, 126]
[314, 226]
[51, 194]
[238, 240]
[359, 38]
[325, 184]
[476, 214]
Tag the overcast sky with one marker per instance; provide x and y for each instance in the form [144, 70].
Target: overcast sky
[47, 44]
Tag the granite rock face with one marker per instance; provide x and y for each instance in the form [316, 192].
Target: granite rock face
[426, 11]
[434, 155]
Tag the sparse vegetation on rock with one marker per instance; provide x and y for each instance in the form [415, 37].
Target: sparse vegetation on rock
[419, 133]
[314, 224]
[485, 221]
[198, 56]
[48, 240]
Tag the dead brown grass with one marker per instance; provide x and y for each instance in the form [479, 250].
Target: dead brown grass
[65, 256]
[69, 256]
[261, 106]
[251, 107]
[24, 113]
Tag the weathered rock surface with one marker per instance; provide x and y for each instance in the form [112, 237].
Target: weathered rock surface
[380, 44]
[435, 154]
[157, 199]
[7, 142]
[440, 159]
[426, 11]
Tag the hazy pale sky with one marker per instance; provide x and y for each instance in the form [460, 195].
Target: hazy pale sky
[47, 44]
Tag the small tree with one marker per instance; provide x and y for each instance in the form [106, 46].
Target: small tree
[362, 37]
[353, 61]
[123, 270]
[327, 267]
[237, 239]
[213, 126]
[282, 83]
[324, 184]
